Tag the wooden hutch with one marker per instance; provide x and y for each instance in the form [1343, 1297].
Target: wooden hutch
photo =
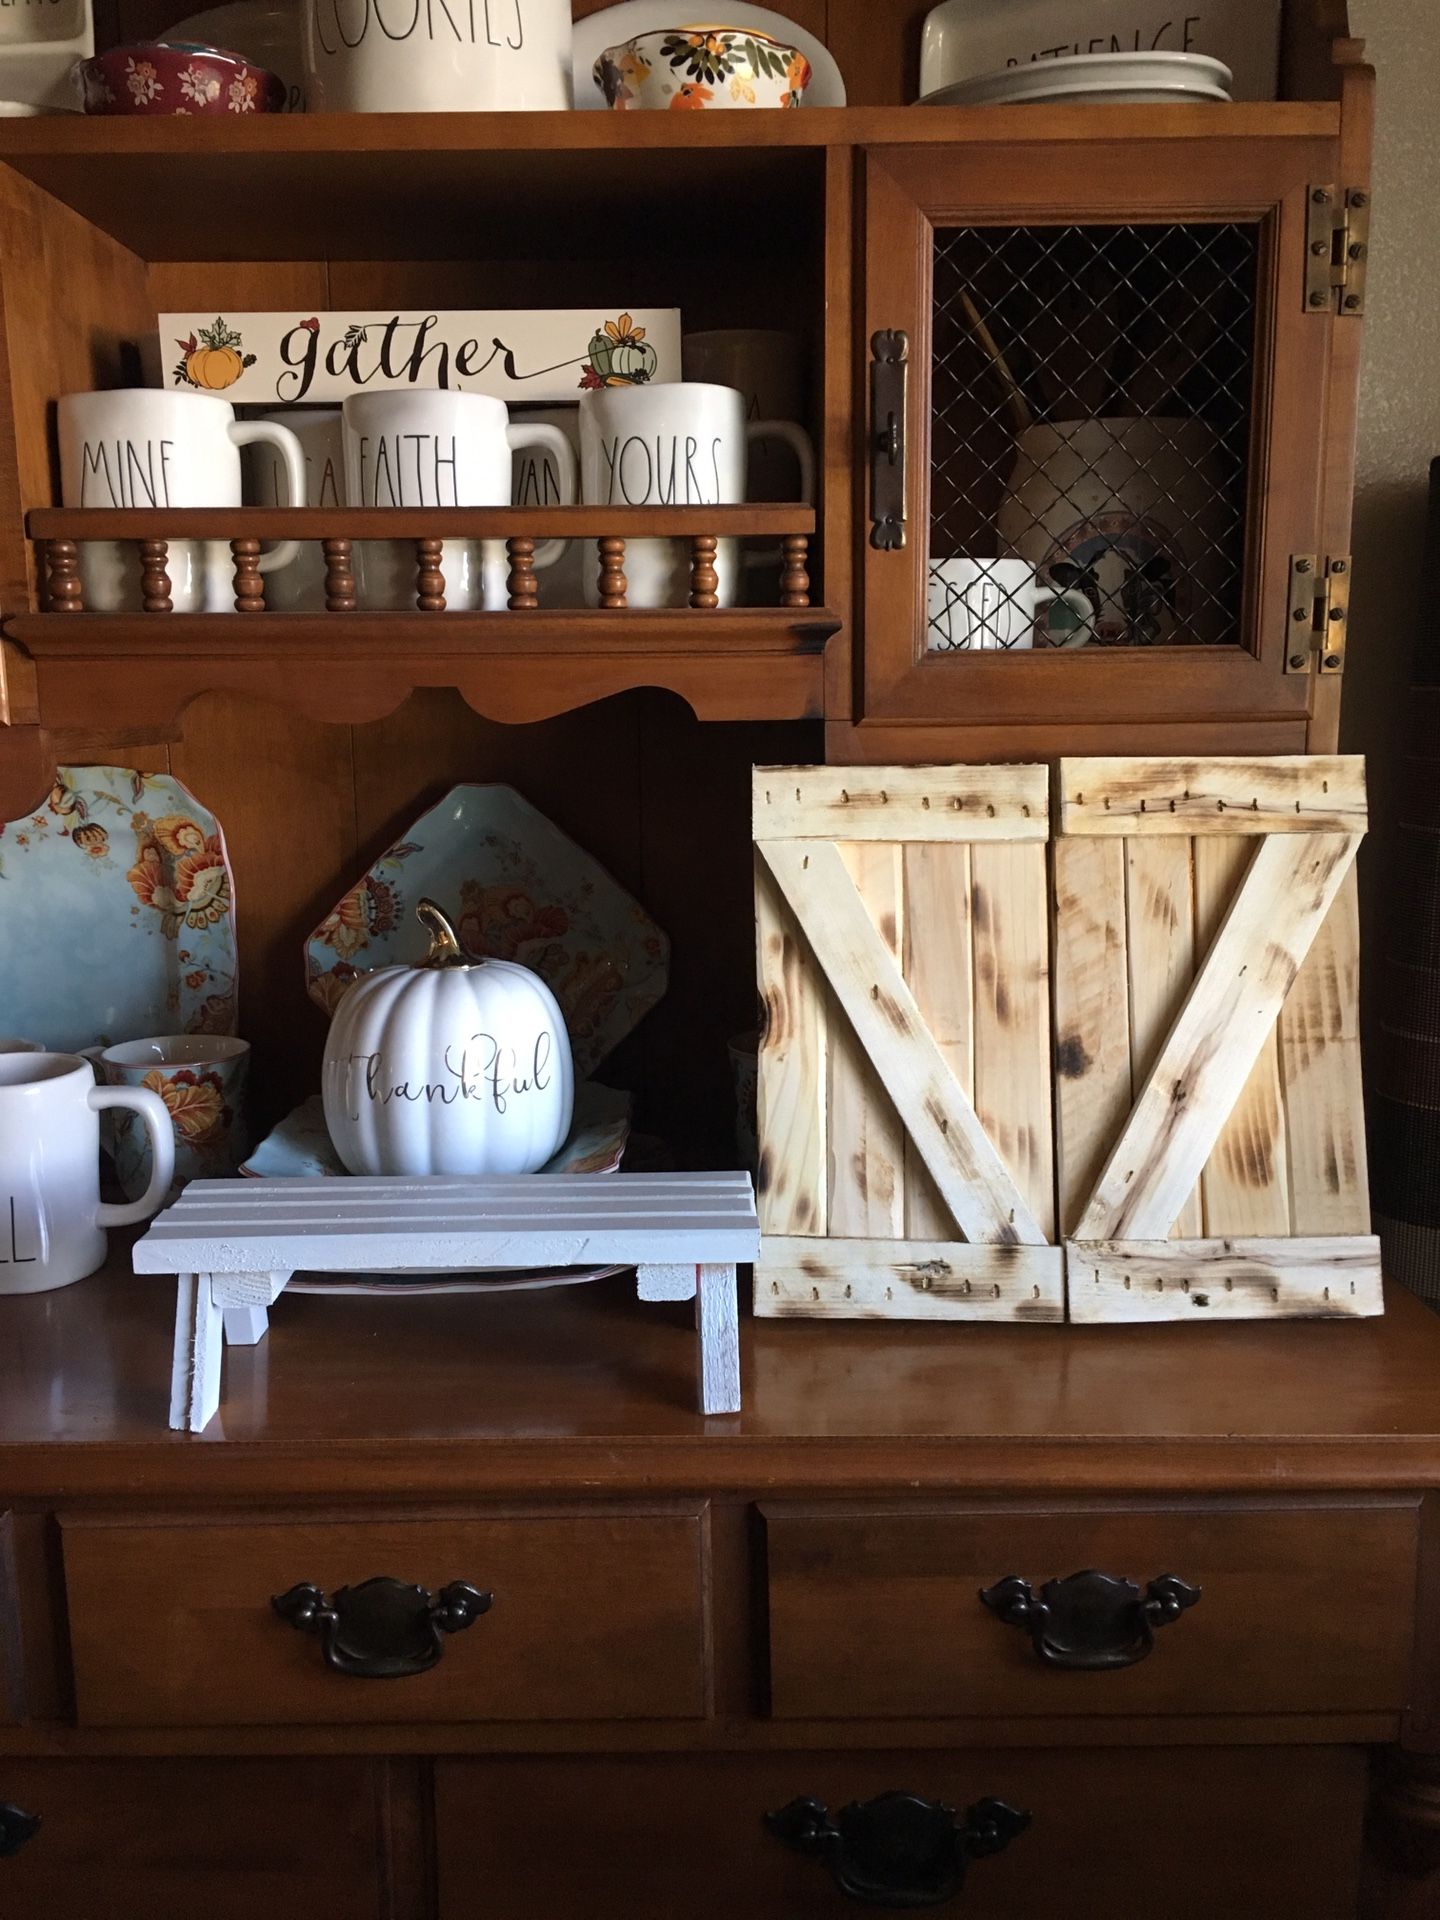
[698, 1621]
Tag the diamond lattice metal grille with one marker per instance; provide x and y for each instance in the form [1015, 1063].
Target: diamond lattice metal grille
[1090, 417]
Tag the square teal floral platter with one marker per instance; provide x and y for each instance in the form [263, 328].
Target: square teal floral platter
[117, 913]
[515, 888]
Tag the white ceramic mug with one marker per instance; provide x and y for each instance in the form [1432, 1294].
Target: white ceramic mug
[535, 482]
[440, 449]
[52, 1222]
[139, 447]
[680, 443]
[299, 588]
[410, 56]
[768, 367]
[1141, 511]
[982, 606]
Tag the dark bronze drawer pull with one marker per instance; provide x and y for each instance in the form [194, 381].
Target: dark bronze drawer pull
[898, 1850]
[16, 1827]
[382, 1629]
[1090, 1622]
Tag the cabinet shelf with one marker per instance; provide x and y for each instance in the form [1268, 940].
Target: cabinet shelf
[139, 671]
[286, 186]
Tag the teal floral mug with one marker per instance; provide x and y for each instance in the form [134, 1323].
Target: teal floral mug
[201, 1079]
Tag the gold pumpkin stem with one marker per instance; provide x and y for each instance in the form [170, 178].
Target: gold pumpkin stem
[445, 949]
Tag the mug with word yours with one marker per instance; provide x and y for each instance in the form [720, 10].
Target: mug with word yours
[681, 443]
[137, 447]
[441, 449]
[978, 606]
[52, 1223]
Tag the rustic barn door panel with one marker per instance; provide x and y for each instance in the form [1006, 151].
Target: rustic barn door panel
[905, 1117]
[1209, 1120]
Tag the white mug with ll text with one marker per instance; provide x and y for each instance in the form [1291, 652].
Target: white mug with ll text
[440, 449]
[985, 606]
[52, 1222]
[680, 443]
[139, 447]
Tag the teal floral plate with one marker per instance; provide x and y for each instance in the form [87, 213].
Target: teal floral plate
[299, 1147]
[117, 913]
[515, 888]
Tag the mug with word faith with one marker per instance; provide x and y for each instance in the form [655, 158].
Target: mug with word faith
[979, 606]
[441, 449]
[138, 447]
[681, 443]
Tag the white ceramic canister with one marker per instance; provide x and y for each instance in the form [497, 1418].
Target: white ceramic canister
[427, 56]
[1135, 513]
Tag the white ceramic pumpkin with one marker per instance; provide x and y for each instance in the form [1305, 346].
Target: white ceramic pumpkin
[454, 1066]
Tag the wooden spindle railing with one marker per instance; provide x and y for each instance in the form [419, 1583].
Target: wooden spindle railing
[60, 530]
[429, 576]
[612, 571]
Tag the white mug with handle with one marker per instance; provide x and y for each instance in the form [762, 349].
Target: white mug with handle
[681, 443]
[52, 1220]
[991, 606]
[140, 447]
[441, 449]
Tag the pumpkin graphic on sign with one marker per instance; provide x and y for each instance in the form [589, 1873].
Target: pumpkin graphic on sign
[212, 358]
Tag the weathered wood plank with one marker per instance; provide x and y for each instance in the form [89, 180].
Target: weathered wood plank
[792, 1178]
[937, 969]
[1092, 1014]
[1013, 1058]
[1241, 1279]
[718, 1321]
[908, 1279]
[1323, 793]
[867, 1140]
[1245, 1187]
[1160, 924]
[972, 1179]
[901, 803]
[1320, 1077]
[1209, 1053]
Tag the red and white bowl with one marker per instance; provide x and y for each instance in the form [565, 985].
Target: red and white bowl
[172, 77]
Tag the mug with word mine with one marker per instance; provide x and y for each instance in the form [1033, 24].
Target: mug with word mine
[441, 449]
[977, 606]
[138, 447]
[681, 443]
[52, 1223]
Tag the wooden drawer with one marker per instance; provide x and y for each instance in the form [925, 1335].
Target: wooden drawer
[877, 1611]
[180, 1839]
[594, 1616]
[1205, 1834]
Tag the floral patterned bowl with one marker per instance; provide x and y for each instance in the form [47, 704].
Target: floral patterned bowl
[173, 77]
[689, 69]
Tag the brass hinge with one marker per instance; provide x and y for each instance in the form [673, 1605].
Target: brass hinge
[1337, 250]
[1319, 613]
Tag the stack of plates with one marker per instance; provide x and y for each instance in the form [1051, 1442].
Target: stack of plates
[1149, 79]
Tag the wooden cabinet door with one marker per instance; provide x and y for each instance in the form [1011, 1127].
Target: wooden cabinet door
[1113, 392]
[176, 1839]
[1195, 1834]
